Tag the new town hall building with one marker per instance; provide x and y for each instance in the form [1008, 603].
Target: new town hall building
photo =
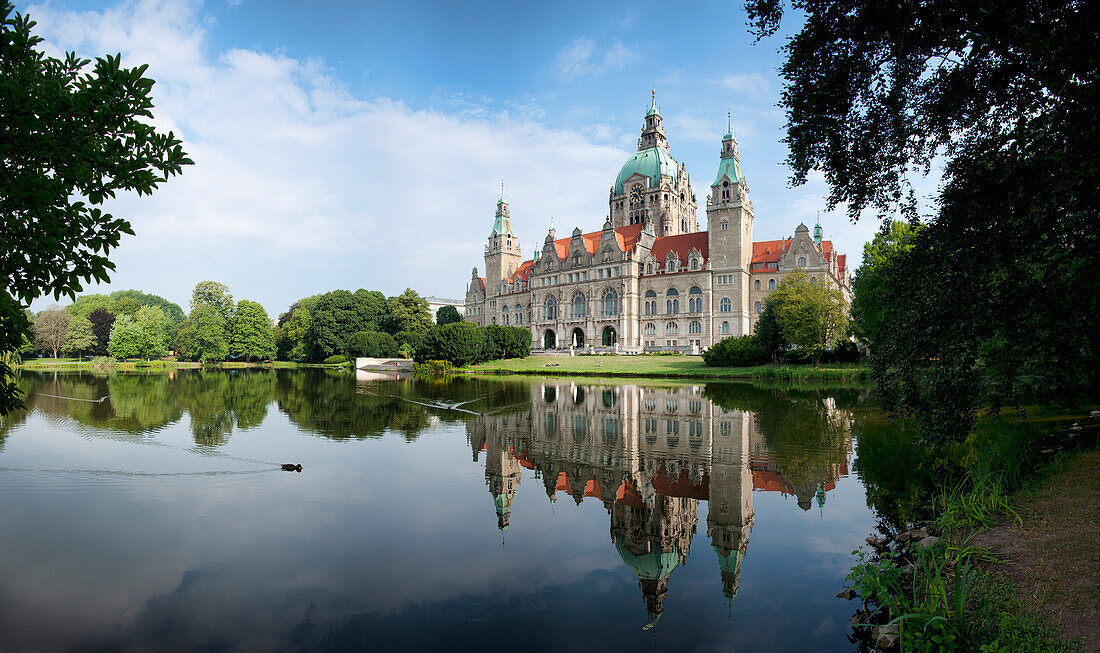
[649, 279]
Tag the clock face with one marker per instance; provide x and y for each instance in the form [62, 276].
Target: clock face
[636, 193]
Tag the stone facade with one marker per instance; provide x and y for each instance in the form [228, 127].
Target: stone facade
[649, 279]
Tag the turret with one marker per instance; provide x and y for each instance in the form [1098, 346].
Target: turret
[502, 252]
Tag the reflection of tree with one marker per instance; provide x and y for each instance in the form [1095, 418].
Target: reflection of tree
[335, 406]
[807, 437]
[16, 418]
[135, 403]
[218, 400]
[898, 474]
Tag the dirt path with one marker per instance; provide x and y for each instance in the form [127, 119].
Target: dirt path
[1055, 555]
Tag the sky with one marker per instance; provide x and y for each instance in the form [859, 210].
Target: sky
[363, 145]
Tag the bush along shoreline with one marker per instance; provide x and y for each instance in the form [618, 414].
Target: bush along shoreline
[930, 587]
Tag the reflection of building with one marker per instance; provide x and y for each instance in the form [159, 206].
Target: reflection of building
[649, 278]
[649, 455]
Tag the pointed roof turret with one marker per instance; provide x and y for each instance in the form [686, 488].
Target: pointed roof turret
[503, 222]
[818, 231]
[730, 165]
[653, 110]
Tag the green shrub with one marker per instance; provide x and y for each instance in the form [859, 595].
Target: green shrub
[433, 367]
[372, 344]
[462, 343]
[103, 362]
[743, 351]
[338, 358]
[507, 342]
[845, 352]
[669, 352]
[801, 356]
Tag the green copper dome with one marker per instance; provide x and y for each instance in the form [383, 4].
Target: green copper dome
[649, 566]
[652, 162]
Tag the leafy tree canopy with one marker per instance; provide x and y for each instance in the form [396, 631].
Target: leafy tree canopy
[127, 338]
[408, 312]
[79, 337]
[72, 140]
[212, 293]
[50, 328]
[250, 334]
[995, 300]
[809, 314]
[155, 330]
[871, 283]
[101, 321]
[203, 336]
[171, 310]
[447, 315]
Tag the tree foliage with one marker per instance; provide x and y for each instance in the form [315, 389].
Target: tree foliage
[102, 321]
[994, 302]
[155, 331]
[127, 338]
[872, 284]
[373, 344]
[736, 352]
[50, 329]
[203, 336]
[447, 315]
[809, 315]
[79, 337]
[407, 312]
[250, 333]
[172, 310]
[212, 293]
[73, 138]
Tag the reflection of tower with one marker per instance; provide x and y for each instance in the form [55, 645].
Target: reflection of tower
[502, 475]
[729, 510]
[653, 540]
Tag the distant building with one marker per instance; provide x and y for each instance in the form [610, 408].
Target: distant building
[436, 303]
[649, 279]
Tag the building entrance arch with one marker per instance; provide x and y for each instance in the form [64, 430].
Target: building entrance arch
[609, 337]
[549, 340]
[577, 339]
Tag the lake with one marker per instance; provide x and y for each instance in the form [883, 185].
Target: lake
[150, 512]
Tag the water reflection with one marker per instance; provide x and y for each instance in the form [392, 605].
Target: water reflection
[651, 454]
[388, 536]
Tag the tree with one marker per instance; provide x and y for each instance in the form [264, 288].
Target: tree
[86, 304]
[171, 310]
[50, 329]
[79, 336]
[372, 306]
[102, 321]
[212, 293]
[72, 140]
[407, 312]
[203, 335]
[155, 330]
[768, 333]
[462, 343]
[1007, 98]
[447, 315]
[127, 338]
[250, 334]
[809, 314]
[336, 317]
[373, 344]
[296, 345]
[872, 283]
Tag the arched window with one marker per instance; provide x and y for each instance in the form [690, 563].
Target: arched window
[756, 285]
[551, 308]
[672, 305]
[725, 305]
[504, 317]
[609, 303]
[651, 329]
[801, 261]
[650, 303]
[694, 264]
[519, 314]
[579, 308]
[725, 327]
[771, 284]
[671, 329]
[756, 307]
[695, 300]
[494, 319]
[695, 327]
[649, 268]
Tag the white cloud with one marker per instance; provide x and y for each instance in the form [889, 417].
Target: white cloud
[300, 187]
[752, 86]
[583, 57]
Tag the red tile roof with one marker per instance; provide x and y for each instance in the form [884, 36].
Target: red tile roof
[481, 280]
[628, 494]
[681, 486]
[523, 271]
[682, 245]
[627, 237]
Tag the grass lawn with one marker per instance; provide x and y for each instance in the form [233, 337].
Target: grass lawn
[665, 366]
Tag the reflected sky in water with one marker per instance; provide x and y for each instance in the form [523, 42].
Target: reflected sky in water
[535, 514]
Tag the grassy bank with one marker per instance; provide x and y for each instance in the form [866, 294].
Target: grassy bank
[966, 587]
[656, 366]
[77, 364]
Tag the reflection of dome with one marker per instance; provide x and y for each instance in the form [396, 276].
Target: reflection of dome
[651, 162]
[503, 504]
[653, 565]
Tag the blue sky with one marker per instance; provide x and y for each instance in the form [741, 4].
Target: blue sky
[348, 145]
